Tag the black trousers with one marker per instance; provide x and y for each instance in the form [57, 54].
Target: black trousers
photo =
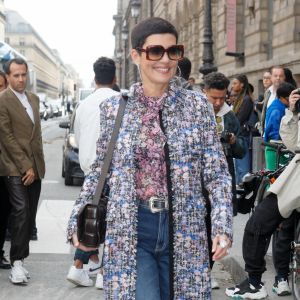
[259, 228]
[24, 203]
[4, 212]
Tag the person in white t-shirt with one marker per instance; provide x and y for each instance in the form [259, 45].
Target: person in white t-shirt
[87, 130]
[87, 119]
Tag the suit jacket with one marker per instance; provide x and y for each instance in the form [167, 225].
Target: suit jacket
[21, 146]
[286, 187]
[264, 109]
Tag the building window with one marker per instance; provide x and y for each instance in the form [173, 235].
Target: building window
[22, 41]
[7, 40]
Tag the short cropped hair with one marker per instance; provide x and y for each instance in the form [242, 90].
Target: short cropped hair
[284, 90]
[148, 27]
[185, 67]
[216, 80]
[18, 61]
[105, 70]
[275, 67]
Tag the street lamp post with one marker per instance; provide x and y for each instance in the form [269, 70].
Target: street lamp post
[135, 12]
[208, 56]
[135, 9]
[124, 68]
[119, 61]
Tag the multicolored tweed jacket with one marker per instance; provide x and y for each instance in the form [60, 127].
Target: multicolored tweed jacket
[196, 156]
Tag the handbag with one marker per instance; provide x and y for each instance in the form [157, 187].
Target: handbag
[91, 220]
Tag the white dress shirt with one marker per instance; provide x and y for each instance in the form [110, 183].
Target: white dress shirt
[272, 95]
[24, 101]
[87, 126]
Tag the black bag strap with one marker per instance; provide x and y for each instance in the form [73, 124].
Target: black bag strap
[170, 197]
[109, 153]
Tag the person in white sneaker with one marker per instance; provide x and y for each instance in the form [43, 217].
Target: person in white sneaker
[281, 203]
[18, 274]
[22, 163]
[87, 130]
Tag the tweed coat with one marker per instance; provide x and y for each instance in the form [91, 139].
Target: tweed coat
[196, 155]
[21, 144]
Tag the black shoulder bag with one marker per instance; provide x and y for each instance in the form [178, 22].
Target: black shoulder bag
[91, 224]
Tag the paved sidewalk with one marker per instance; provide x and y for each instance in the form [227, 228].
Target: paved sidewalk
[48, 281]
[48, 271]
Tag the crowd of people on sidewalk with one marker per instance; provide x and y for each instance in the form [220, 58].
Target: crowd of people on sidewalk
[180, 155]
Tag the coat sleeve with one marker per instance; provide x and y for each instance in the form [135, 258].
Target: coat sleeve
[245, 110]
[8, 140]
[215, 174]
[107, 118]
[289, 130]
[272, 126]
[238, 150]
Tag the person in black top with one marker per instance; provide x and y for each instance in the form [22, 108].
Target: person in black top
[183, 72]
[243, 108]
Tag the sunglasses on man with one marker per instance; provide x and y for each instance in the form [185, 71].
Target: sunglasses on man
[156, 52]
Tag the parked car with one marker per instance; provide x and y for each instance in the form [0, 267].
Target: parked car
[46, 109]
[70, 160]
[43, 111]
[56, 107]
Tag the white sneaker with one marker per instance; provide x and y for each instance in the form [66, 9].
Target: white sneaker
[281, 287]
[17, 274]
[99, 282]
[92, 268]
[26, 272]
[79, 277]
[214, 284]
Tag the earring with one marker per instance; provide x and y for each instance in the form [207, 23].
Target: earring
[139, 71]
[178, 71]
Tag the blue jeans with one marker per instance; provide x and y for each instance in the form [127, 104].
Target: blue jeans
[243, 166]
[152, 255]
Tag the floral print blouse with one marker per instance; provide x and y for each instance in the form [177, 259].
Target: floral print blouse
[150, 157]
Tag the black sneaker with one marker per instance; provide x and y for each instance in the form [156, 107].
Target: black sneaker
[4, 263]
[245, 290]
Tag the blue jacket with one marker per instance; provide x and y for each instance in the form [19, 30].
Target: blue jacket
[273, 118]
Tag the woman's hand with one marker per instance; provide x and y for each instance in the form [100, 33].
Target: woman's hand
[220, 247]
[293, 98]
[78, 245]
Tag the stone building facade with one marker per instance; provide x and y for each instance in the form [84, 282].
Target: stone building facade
[2, 20]
[249, 35]
[47, 72]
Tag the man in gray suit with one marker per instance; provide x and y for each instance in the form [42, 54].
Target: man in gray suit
[21, 161]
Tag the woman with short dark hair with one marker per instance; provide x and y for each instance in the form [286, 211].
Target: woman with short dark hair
[156, 242]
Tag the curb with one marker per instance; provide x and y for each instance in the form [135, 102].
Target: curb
[234, 268]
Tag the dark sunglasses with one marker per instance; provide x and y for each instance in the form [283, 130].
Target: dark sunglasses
[156, 52]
